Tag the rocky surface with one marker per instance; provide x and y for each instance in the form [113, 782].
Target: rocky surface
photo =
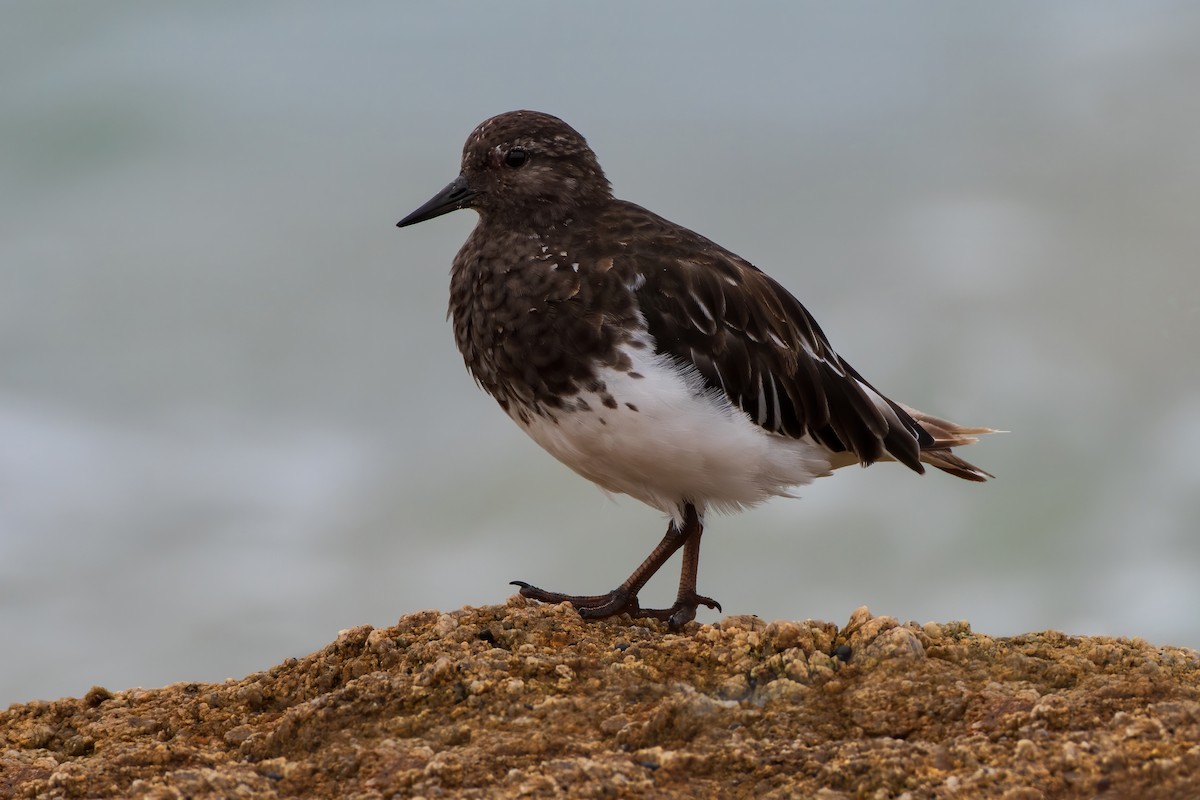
[530, 701]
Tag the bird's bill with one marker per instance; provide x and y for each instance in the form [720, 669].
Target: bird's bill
[455, 196]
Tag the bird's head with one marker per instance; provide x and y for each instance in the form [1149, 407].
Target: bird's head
[522, 168]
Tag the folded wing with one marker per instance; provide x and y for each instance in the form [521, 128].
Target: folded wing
[751, 339]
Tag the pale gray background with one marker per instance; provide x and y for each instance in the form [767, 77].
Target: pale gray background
[232, 419]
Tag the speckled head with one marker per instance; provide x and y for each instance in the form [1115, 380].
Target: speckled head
[522, 168]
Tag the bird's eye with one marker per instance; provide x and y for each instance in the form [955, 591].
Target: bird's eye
[515, 158]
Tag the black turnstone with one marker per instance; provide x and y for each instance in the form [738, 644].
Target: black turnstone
[650, 360]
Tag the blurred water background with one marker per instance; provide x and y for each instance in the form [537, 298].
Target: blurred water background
[233, 421]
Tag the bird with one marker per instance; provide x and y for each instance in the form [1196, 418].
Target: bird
[649, 359]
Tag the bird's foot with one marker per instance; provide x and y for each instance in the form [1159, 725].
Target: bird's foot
[620, 601]
[589, 606]
[682, 612]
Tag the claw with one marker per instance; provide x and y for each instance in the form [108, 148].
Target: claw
[619, 601]
[598, 606]
[681, 617]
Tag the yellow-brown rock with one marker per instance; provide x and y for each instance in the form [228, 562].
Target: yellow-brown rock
[530, 701]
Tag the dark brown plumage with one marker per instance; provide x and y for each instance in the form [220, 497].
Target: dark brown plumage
[579, 313]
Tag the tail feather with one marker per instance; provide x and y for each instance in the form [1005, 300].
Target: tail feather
[947, 435]
[946, 461]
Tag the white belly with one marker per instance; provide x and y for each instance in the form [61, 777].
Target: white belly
[670, 441]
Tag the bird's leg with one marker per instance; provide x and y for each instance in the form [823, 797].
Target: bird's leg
[686, 600]
[624, 599]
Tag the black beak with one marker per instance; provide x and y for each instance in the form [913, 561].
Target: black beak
[455, 196]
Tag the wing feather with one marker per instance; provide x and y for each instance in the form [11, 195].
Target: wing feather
[751, 339]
